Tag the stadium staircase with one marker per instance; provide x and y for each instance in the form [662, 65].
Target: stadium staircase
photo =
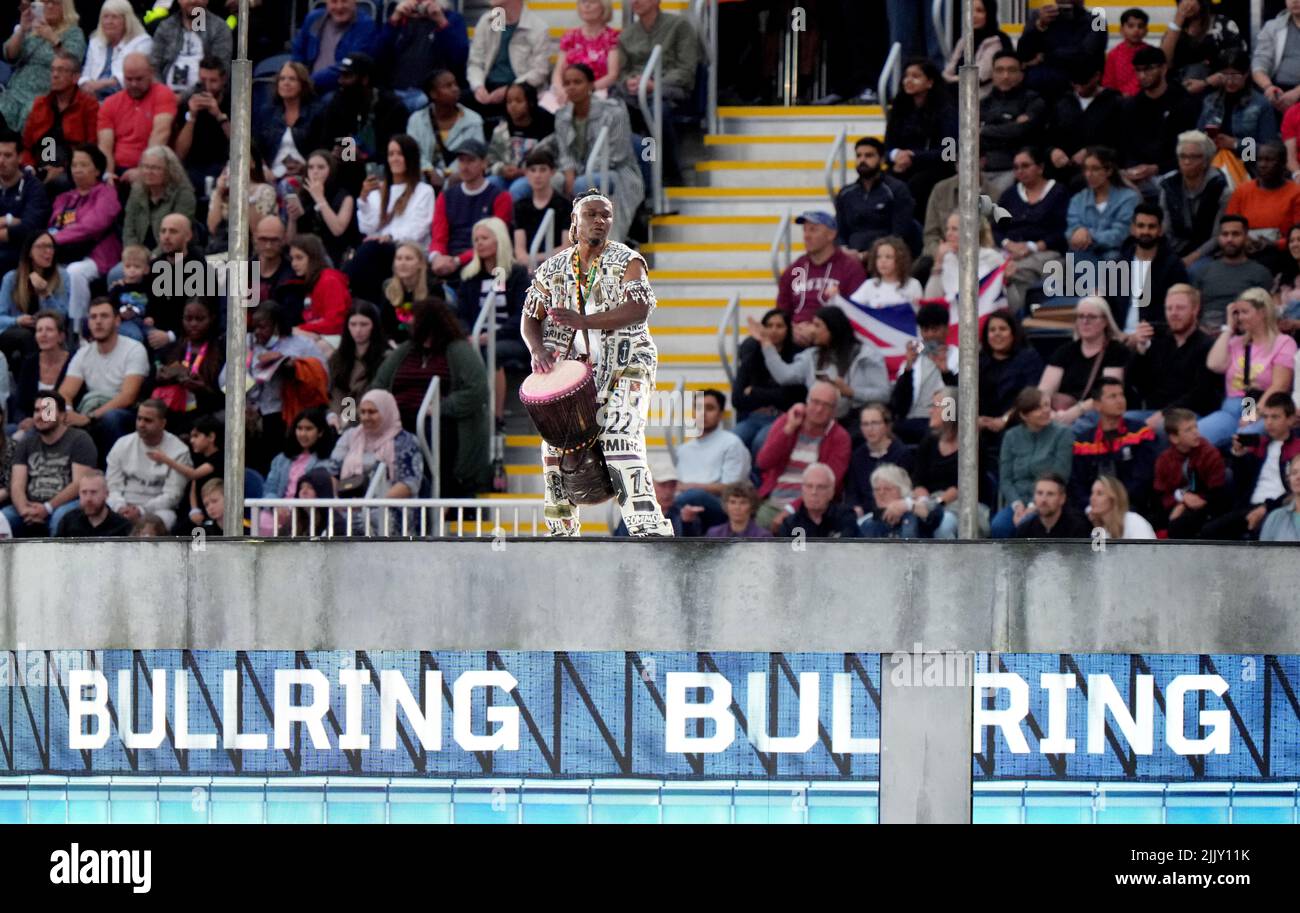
[718, 237]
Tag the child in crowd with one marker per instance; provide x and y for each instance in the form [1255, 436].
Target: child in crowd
[130, 294]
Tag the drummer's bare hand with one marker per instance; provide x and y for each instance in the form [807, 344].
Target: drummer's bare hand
[542, 362]
[567, 317]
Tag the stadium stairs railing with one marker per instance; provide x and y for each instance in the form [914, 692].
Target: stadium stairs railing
[705, 14]
[487, 324]
[428, 427]
[543, 239]
[835, 158]
[598, 159]
[653, 112]
[729, 326]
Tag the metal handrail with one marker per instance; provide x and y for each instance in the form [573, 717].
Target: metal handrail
[655, 119]
[486, 323]
[838, 150]
[438, 507]
[378, 486]
[781, 264]
[431, 414]
[544, 232]
[600, 148]
[730, 315]
[941, 15]
[705, 14]
[889, 74]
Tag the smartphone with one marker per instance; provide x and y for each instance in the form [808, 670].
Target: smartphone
[930, 346]
[1249, 440]
[375, 170]
[38, 11]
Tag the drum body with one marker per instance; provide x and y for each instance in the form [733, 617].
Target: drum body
[586, 476]
[562, 404]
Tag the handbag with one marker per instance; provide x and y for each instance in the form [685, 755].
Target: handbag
[1064, 401]
[352, 487]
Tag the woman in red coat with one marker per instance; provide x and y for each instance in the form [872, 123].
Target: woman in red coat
[327, 298]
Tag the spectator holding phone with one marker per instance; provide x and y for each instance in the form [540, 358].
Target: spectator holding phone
[322, 206]
[291, 125]
[1259, 472]
[1256, 361]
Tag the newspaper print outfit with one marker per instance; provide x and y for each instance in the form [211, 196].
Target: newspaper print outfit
[624, 361]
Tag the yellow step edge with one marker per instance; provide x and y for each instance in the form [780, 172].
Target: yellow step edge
[708, 275]
[788, 165]
[743, 139]
[1156, 28]
[686, 193]
[691, 247]
[801, 111]
[523, 469]
[670, 358]
[715, 220]
[685, 331]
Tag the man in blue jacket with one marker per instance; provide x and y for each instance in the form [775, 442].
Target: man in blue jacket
[24, 206]
[332, 32]
[875, 205]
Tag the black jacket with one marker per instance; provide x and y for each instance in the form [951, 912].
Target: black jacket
[864, 215]
[1073, 127]
[1166, 271]
[308, 130]
[1000, 134]
[1071, 525]
[763, 391]
[1169, 376]
[1149, 127]
[839, 522]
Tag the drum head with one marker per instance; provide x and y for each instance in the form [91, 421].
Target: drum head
[566, 375]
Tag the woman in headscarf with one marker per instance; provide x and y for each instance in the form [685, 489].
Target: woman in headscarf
[378, 439]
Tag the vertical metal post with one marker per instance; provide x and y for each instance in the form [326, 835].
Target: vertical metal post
[241, 112]
[968, 294]
[712, 11]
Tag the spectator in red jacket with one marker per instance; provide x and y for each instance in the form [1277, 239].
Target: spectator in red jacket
[62, 118]
[807, 433]
[1119, 73]
[1190, 477]
[327, 297]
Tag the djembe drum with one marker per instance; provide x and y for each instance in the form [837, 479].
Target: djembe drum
[562, 404]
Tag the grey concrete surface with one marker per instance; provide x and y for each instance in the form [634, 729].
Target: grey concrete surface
[595, 594]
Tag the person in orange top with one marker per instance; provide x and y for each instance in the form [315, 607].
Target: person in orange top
[1271, 202]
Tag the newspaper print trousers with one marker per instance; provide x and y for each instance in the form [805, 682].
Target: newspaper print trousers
[622, 440]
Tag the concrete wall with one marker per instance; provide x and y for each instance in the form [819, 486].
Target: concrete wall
[676, 595]
[681, 595]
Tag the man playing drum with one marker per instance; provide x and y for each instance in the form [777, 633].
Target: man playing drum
[599, 288]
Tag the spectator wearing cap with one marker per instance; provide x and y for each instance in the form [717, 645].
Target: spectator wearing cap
[805, 284]
[807, 433]
[816, 515]
[1150, 122]
[1085, 116]
[875, 205]
[1193, 200]
[511, 44]
[332, 33]
[740, 502]
[1119, 73]
[1236, 110]
[460, 207]
[1011, 117]
[178, 45]
[929, 366]
[921, 128]
[362, 116]
[708, 463]
[1056, 35]
[420, 37]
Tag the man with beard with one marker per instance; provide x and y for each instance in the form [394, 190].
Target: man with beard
[362, 117]
[1153, 268]
[1150, 122]
[1193, 199]
[874, 205]
[1230, 275]
[599, 285]
[1168, 369]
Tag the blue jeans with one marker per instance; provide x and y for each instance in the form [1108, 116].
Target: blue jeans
[114, 424]
[21, 528]
[414, 99]
[911, 26]
[584, 182]
[1219, 427]
[713, 512]
[520, 189]
[748, 427]
[1003, 525]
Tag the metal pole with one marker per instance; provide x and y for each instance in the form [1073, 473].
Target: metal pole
[968, 294]
[241, 111]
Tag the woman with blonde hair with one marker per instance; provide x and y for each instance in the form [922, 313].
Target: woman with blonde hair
[30, 50]
[994, 268]
[1108, 510]
[119, 32]
[1096, 350]
[493, 270]
[594, 43]
[410, 282]
[1255, 360]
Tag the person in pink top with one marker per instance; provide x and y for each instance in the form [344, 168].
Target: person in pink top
[592, 43]
[1255, 360]
[82, 223]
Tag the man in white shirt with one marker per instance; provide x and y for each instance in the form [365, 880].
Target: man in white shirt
[710, 462]
[137, 483]
[111, 372]
[1258, 463]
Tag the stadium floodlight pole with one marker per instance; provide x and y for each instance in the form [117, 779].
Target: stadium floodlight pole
[968, 189]
[242, 275]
